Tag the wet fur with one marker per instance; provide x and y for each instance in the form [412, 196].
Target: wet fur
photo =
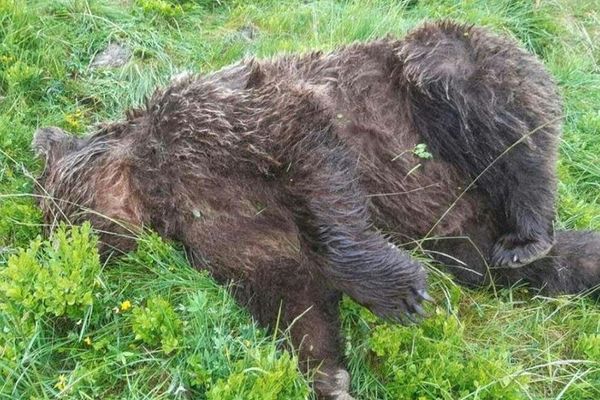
[293, 177]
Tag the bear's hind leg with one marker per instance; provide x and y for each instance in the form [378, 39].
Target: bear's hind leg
[315, 333]
[489, 108]
[259, 252]
[287, 296]
[571, 266]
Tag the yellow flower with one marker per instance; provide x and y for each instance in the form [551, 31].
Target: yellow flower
[62, 383]
[126, 305]
[75, 119]
[6, 59]
[88, 341]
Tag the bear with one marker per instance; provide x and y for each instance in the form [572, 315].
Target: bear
[306, 177]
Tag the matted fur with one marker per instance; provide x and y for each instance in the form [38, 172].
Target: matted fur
[294, 176]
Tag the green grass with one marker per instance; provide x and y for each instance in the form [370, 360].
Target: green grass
[147, 326]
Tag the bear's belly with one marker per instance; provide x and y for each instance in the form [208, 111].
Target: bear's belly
[411, 194]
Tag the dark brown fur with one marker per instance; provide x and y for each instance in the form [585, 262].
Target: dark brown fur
[292, 177]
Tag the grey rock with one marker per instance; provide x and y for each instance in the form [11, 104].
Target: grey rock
[115, 55]
[248, 32]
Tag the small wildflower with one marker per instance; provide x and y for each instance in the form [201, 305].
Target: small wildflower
[62, 383]
[7, 59]
[88, 341]
[75, 119]
[126, 305]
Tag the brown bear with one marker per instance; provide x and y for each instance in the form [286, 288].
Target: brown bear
[305, 177]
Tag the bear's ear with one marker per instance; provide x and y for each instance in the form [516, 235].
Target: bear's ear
[51, 143]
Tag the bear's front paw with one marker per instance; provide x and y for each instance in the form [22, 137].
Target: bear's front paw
[512, 251]
[404, 305]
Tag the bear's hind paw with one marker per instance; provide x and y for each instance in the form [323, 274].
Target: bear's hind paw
[512, 252]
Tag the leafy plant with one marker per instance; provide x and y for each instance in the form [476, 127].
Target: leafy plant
[55, 277]
[272, 377]
[421, 151]
[434, 361]
[157, 324]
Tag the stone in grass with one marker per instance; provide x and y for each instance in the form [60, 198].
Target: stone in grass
[115, 55]
[248, 32]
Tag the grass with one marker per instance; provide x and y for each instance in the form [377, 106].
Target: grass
[147, 326]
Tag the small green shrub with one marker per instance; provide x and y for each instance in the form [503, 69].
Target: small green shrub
[157, 324]
[435, 361]
[54, 277]
[272, 376]
[47, 288]
[21, 76]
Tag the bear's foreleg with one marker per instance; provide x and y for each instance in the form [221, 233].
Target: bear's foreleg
[334, 223]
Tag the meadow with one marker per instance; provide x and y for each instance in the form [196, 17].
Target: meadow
[147, 326]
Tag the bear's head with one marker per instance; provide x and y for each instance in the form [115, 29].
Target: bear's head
[89, 179]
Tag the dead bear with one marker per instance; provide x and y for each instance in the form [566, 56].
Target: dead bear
[298, 178]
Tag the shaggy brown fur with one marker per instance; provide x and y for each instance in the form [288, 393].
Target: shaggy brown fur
[293, 177]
